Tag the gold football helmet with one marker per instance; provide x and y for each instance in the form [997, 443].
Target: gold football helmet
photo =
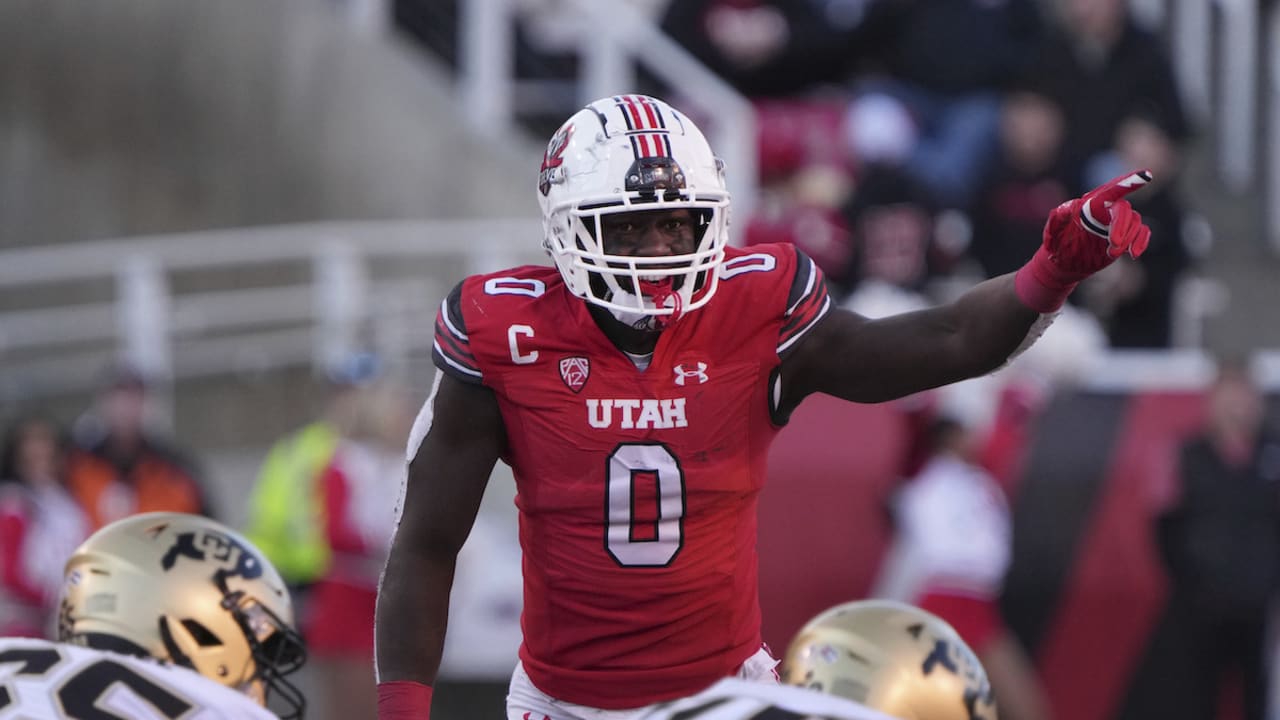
[186, 590]
[892, 657]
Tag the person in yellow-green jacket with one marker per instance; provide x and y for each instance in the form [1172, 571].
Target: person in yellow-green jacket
[286, 516]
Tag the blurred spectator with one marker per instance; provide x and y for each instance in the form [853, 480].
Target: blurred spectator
[952, 546]
[40, 525]
[1221, 544]
[768, 48]
[359, 489]
[818, 230]
[120, 467]
[891, 223]
[806, 176]
[1102, 70]
[946, 62]
[286, 507]
[1135, 299]
[794, 135]
[1023, 186]
[866, 222]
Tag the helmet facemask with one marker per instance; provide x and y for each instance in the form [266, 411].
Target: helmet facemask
[276, 650]
[660, 287]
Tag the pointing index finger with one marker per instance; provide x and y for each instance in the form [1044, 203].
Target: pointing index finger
[1121, 186]
[1096, 212]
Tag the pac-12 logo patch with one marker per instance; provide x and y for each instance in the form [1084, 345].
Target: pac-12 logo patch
[574, 372]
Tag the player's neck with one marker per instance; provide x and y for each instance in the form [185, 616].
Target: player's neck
[625, 337]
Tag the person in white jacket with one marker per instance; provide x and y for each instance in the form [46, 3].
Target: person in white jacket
[952, 548]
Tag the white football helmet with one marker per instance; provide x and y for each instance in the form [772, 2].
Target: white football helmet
[891, 657]
[186, 590]
[624, 154]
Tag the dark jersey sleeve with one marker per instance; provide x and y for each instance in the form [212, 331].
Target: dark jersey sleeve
[451, 350]
[807, 302]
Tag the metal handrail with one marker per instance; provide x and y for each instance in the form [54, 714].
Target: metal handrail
[1272, 192]
[264, 244]
[172, 333]
[1238, 93]
[1191, 52]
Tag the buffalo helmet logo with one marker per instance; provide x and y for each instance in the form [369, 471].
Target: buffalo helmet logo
[574, 371]
[228, 557]
[551, 171]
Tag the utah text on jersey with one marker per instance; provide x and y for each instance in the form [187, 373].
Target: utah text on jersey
[638, 414]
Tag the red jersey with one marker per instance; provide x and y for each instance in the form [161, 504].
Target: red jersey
[636, 489]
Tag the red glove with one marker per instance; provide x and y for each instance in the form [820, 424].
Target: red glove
[403, 700]
[1081, 237]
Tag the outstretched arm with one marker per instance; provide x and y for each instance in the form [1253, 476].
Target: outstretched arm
[851, 357]
[446, 482]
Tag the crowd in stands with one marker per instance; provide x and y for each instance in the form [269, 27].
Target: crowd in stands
[57, 486]
[322, 508]
[912, 147]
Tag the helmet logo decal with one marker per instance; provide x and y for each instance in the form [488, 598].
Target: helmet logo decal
[553, 159]
[959, 661]
[828, 654]
[941, 655]
[574, 371]
[233, 559]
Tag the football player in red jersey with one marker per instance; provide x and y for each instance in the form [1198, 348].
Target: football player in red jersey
[635, 389]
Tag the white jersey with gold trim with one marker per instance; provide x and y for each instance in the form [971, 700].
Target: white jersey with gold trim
[41, 680]
[735, 699]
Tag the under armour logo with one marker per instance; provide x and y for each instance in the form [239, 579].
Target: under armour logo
[683, 375]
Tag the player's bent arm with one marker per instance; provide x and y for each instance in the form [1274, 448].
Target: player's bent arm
[446, 482]
[852, 357]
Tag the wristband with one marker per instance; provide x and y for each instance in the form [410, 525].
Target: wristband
[1041, 285]
[403, 700]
